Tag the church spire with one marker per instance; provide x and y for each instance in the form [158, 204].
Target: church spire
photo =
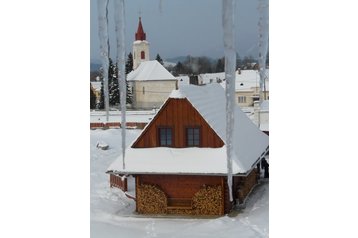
[140, 34]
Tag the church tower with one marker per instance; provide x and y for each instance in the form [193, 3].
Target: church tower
[140, 46]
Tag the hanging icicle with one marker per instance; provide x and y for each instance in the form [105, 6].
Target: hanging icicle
[102, 7]
[160, 7]
[263, 43]
[230, 65]
[120, 35]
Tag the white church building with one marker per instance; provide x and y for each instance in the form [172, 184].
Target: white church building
[149, 81]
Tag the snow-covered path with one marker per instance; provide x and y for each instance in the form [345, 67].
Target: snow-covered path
[112, 212]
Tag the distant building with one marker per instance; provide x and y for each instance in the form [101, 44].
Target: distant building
[140, 46]
[247, 87]
[151, 84]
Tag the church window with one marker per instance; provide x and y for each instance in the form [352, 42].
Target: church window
[142, 55]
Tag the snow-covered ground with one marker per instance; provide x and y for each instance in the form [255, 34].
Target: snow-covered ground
[115, 116]
[112, 213]
[140, 116]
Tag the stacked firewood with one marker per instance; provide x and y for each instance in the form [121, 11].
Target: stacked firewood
[151, 200]
[208, 201]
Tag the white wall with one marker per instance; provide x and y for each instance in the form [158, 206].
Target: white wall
[155, 93]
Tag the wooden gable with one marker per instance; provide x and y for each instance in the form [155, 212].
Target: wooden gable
[178, 114]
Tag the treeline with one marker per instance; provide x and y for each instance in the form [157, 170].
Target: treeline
[199, 65]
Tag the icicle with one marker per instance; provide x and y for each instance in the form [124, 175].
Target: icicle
[160, 7]
[263, 43]
[230, 65]
[102, 6]
[120, 35]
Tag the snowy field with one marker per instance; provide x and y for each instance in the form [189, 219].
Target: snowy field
[112, 213]
[115, 116]
[139, 116]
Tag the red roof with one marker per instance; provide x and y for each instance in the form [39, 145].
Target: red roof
[140, 34]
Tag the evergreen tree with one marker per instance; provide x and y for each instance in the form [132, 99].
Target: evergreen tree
[238, 61]
[179, 68]
[92, 99]
[113, 88]
[220, 65]
[100, 104]
[129, 63]
[159, 59]
[129, 94]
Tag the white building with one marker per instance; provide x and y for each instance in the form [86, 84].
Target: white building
[262, 115]
[151, 85]
[247, 87]
[140, 46]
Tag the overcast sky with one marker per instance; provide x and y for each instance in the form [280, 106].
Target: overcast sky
[182, 27]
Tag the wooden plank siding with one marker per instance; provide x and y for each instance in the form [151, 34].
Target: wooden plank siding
[116, 181]
[180, 186]
[178, 114]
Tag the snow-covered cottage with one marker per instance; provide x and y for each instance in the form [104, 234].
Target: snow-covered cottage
[151, 85]
[179, 159]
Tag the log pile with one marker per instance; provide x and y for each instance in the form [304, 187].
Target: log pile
[208, 201]
[151, 200]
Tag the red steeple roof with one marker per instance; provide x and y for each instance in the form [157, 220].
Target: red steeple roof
[140, 34]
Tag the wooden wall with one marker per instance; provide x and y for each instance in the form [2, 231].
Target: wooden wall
[178, 114]
[243, 185]
[180, 186]
[116, 181]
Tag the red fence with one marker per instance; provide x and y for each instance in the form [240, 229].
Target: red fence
[129, 125]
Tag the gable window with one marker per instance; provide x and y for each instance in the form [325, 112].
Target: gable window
[242, 99]
[165, 136]
[193, 136]
[142, 55]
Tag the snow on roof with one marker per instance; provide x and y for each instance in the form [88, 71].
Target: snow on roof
[247, 79]
[166, 160]
[183, 80]
[149, 71]
[250, 144]
[139, 42]
[176, 94]
[211, 76]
